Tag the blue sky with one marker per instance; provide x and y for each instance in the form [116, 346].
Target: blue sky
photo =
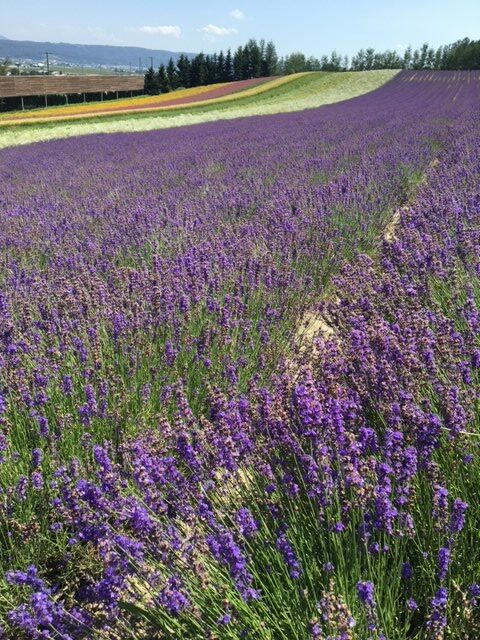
[312, 27]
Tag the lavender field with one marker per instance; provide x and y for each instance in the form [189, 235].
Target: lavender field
[239, 376]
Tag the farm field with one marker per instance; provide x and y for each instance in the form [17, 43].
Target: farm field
[180, 97]
[284, 94]
[239, 370]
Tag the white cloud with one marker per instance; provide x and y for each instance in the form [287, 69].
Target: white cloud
[99, 34]
[237, 14]
[212, 30]
[165, 30]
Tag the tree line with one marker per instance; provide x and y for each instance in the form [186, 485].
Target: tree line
[253, 60]
[461, 55]
[260, 59]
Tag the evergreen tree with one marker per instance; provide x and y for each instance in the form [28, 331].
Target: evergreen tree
[238, 64]
[416, 60]
[313, 64]
[198, 71]
[210, 68]
[183, 66]
[228, 70]
[422, 63]
[369, 58]
[220, 68]
[430, 61]
[269, 61]
[335, 61]
[163, 79]
[358, 61]
[407, 58]
[172, 74]
[150, 84]
[324, 63]
[438, 58]
[253, 56]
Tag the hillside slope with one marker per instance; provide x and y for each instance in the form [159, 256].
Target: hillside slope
[84, 54]
[294, 93]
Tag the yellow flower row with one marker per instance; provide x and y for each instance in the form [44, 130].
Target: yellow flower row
[313, 92]
[146, 101]
[148, 104]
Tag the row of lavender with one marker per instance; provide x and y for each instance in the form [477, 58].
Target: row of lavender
[157, 474]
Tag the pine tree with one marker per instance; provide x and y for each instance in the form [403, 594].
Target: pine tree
[253, 62]
[270, 61]
[358, 61]
[228, 72]
[183, 66]
[369, 58]
[220, 68]
[423, 56]
[163, 79]
[416, 60]
[172, 74]
[151, 84]
[407, 58]
[238, 64]
[198, 71]
[438, 58]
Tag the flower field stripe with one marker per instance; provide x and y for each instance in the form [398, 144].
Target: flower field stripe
[182, 96]
[105, 106]
[287, 94]
[210, 94]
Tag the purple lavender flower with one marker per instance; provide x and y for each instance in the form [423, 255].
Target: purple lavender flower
[437, 618]
[67, 385]
[3, 405]
[365, 592]
[246, 523]
[21, 488]
[443, 562]
[289, 556]
[457, 520]
[37, 457]
[37, 480]
[224, 548]
[43, 426]
[173, 598]
[407, 571]
[474, 593]
[412, 605]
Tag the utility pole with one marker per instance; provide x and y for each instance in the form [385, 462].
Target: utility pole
[139, 65]
[151, 62]
[48, 63]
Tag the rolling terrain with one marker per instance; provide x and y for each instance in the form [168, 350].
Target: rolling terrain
[84, 54]
[282, 95]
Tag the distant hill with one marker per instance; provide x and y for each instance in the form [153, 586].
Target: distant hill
[3, 37]
[84, 54]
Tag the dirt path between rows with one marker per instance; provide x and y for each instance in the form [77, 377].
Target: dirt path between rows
[316, 324]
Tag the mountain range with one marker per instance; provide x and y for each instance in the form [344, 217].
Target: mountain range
[85, 54]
